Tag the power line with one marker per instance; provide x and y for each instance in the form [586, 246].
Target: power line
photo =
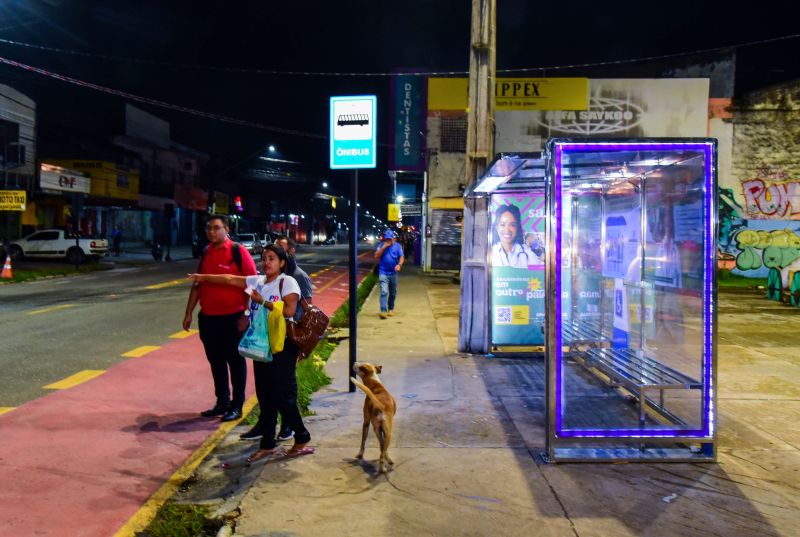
[155, 102]
[383, 74]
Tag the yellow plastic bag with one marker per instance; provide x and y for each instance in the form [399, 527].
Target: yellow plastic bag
[276, 327]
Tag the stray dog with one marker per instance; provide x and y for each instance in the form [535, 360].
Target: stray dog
[379, 409]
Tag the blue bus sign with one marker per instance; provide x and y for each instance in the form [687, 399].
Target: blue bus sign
[353, 139]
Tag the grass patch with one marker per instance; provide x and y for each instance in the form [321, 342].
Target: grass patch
[341, 317]
[725, 278]
[181, 520]
[31, 273]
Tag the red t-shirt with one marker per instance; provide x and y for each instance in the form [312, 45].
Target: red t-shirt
[222, 299]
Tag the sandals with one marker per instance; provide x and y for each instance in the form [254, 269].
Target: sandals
[279, 453]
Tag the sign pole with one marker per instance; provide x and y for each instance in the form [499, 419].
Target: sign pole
[353, 144]
[353, 279]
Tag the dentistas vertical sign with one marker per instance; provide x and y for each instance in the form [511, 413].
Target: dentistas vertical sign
[409, 97]
[353, 132]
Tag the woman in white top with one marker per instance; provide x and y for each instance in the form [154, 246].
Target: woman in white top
[276, 382]
[508, 249]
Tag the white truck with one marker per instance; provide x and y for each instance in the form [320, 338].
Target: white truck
[55, 243]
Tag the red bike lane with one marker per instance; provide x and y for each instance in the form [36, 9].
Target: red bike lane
[84, 460]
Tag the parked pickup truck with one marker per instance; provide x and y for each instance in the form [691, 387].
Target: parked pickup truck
[54, 243]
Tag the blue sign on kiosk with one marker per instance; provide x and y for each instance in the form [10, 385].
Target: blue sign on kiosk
[353, 140]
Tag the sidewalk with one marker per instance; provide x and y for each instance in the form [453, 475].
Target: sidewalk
[469, 430]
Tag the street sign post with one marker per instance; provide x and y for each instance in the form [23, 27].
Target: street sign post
[353, 145]
[353, 132]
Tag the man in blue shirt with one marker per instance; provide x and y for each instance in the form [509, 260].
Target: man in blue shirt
[390, 256]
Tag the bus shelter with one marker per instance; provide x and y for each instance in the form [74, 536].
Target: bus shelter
[615, 272]
[503, 257]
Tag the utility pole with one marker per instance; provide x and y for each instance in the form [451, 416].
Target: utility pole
[482, 70]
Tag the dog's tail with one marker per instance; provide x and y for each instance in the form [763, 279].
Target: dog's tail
[375, 400]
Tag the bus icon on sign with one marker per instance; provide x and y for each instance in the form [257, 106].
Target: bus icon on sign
[353, 119]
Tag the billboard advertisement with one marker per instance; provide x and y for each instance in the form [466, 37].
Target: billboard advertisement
[517, 266]
[617, 108]
[409, 96]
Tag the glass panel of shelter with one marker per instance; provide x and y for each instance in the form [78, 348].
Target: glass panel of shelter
[631, 293]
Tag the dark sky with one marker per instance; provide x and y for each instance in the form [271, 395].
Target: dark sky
[340, 36]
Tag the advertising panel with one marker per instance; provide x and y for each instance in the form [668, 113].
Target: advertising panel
[517, 263]
[408, 123]
[513, 94]
[57, 178]
[13, 200]
[617, 108]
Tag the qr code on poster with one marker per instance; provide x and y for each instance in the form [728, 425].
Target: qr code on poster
[502, 315]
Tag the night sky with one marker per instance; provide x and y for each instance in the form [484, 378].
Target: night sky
[338, 36]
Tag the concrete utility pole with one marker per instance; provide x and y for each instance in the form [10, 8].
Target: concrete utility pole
[473, 333]
[482, 67]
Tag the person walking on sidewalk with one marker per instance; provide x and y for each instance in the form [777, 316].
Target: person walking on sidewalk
[390, 260]
[276, 381]
[221, 319]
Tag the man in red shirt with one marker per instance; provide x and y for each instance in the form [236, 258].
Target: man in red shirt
[222, 317]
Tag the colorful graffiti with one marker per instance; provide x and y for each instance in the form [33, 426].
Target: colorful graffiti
[767, 199]
[779, 249]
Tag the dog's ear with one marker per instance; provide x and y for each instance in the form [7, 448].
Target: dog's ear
[378, 368]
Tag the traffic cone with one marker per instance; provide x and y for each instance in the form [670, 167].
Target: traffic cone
[7, 268]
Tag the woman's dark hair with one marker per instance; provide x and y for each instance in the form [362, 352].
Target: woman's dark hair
[514, 210]
[289, 265]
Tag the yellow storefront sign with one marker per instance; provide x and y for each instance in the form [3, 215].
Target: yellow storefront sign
[513, 94]
[394, 212]
[13, 200]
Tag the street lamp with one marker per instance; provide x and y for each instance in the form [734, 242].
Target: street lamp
[271, 148]
[324, 185]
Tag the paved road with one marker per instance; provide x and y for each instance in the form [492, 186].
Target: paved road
[101, 454]
[52, 329]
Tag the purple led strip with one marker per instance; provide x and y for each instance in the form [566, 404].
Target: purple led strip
[708, 293]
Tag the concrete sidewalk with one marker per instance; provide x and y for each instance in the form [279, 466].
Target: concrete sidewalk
[469, 430]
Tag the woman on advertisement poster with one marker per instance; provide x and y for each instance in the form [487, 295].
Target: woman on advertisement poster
[508, 247]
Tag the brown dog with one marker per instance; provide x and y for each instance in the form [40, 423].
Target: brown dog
[379, 409]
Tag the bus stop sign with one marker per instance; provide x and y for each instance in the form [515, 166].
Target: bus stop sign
[352, 132]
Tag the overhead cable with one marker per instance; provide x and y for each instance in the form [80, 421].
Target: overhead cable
[155, 102]
[385, 74]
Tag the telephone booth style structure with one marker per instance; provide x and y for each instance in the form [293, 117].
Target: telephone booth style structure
[631, 308]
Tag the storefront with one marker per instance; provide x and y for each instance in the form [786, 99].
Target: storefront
[604, 253]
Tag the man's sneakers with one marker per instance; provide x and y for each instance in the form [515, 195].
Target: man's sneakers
[233, 414]
[391, 313]
[253, 434]
[383, 315]
[218, 410]
[284, 435]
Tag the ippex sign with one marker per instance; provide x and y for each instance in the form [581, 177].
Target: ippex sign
[353, 140]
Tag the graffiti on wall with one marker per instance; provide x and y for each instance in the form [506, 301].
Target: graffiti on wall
[771, 195]
[751, 247]
[779, 249]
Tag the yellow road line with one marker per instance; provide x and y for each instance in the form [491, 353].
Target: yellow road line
[53, 308]
[184, 334]
[4, 409]
[168, 284]
[336, 279]
[142, 518]
[138, 352]
[78, 378]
